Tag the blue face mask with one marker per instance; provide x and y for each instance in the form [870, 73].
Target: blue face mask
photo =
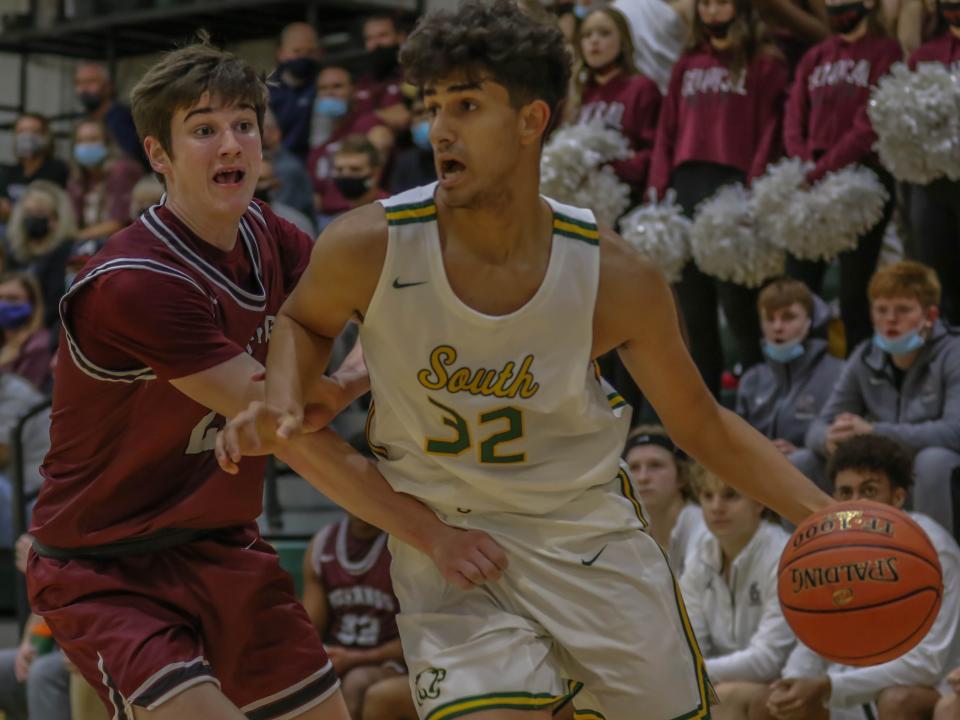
[421, 135]
[14, 314]
[581, 11]
[90, 154]
[903, 345]
[783, 352]
[330, 106]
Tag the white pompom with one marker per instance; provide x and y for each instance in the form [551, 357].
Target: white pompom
[572, 169]
[837, 211]
[723, 242]
[916, 116]
[777, 215]
[659, 231]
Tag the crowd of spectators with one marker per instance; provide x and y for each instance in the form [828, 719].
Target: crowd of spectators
[706, 92]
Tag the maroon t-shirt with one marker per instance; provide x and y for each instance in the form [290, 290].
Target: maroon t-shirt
[320, 160]
[370, 94]
[629, 104]
[711, 116]
[944, 48]
[130, 454]
[356, 577]
[826, 118]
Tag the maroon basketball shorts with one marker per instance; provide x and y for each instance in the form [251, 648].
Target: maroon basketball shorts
[143, 628]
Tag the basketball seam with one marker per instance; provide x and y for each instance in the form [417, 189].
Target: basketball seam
[925, 588]
[850, 658]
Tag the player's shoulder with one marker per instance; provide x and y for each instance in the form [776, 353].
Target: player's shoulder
[622, 264]
[942, 541]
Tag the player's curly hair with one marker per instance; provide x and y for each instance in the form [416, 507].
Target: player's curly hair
[494, 40]
[873, 453]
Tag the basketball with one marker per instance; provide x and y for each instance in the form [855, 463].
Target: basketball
[860, 583]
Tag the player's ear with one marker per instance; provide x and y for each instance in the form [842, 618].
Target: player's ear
[534, 119]
[899, 497]
[159, 160]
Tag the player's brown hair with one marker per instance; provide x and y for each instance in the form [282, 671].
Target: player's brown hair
[906, 279]
[181, 78]
[496, 40]
[359, 145]
[784, 292]
[873, 453]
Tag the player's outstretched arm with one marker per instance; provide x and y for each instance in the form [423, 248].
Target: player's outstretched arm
[636, 314]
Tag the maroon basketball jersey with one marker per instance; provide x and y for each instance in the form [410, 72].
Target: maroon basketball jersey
[363, 608]
[130, 454]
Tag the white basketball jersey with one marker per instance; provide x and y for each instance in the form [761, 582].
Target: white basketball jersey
[488, 413]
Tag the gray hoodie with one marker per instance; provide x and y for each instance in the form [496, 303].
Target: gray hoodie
[782, 399]
[923, 412]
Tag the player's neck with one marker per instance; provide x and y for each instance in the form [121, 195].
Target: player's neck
[220, 233]
[503, 227]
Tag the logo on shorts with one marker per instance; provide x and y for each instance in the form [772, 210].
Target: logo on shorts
[428, 684]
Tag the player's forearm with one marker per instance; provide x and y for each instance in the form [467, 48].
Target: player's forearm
[296, 355]
[353, 482]
[729, 447]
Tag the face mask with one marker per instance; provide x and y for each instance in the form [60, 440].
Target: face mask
[718, 30]
[89, 101]
[383, 60]
[950, 12]
[581, 11]
[302, 69]
[903, 345]
[844, 18]
[421, 135]
[90, 154]
[28, 144]
[14, 314]
[352, 188]
[333, 107]
[36, 227]
[783, 352]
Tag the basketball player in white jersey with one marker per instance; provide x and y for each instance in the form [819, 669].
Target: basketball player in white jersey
[482, 307]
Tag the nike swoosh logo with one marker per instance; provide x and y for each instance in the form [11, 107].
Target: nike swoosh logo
[400, 285]
[592, 560]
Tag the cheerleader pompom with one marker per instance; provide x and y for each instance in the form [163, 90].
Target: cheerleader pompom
[776, 213]
[659, 231]
[916, 116]
[723, 242]
[602, 192]
[570, 169]
[836, 212]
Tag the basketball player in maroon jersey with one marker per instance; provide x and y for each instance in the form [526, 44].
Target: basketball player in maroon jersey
[348, 594]
[148, 566]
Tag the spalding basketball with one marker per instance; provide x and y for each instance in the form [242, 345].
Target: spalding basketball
[860, 583]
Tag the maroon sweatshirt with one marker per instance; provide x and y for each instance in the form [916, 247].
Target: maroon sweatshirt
[708, 116]
[826, 118]
[630, 105]
[944, 48]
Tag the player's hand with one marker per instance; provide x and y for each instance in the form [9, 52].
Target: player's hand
[258, 430]
[468, 558]
[22, 552]
[798, 698]
[784, 446]
[25, 656]
[953, 678]
[343, 658]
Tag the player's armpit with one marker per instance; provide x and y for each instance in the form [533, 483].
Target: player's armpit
[227, 388]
